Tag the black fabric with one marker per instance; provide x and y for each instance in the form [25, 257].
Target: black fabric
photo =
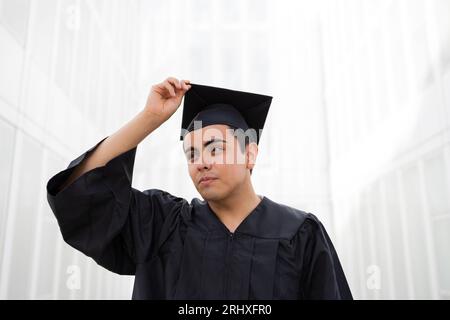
[212, 105]
[219, 114]
[181, 250]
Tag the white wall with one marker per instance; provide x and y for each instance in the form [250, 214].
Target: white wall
[388, 97]
[64, 84]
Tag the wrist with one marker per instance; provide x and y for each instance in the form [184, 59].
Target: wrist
[152, 121]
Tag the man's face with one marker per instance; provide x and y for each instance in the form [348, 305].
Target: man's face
[217, 165]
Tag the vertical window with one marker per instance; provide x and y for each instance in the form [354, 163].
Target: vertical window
[25, 218]
[14, 16]
[416, 233]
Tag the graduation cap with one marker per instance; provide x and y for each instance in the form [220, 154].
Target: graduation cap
[212, 105]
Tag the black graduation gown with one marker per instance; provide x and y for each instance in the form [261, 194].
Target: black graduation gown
[181, 250]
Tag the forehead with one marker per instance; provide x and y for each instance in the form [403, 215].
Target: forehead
[207, 133]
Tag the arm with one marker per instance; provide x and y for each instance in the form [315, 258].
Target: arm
[98, 212]
[322, 275]
[163, 100]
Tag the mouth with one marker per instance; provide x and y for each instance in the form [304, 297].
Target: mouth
[205, 181]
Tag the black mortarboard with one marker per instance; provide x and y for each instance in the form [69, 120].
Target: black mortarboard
[211, 105]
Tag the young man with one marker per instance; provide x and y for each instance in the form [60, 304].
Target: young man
[233, 245]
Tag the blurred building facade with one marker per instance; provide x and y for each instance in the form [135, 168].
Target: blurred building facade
[387, 67]
[358, 132]
[68, 75]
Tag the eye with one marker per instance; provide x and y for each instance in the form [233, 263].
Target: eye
[191, 156]
[216, 149]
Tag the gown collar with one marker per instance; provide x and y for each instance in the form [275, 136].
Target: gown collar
[268, 220]
[254, 224]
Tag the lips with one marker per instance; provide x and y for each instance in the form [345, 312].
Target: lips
[206, 180]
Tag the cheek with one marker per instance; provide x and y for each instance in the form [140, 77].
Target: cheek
[232, 174]
[191, 170]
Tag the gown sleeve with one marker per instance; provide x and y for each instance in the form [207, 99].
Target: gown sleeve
[322, 276]
[101, 215]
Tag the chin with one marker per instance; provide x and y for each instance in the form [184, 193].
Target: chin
[211, 195]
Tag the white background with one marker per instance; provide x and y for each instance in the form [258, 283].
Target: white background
[358, 132]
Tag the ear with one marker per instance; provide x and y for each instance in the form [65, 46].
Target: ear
[251, 151]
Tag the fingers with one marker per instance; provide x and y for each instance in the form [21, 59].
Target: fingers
[174, 81]
[169, 88]
[185, 84]
[171, 84]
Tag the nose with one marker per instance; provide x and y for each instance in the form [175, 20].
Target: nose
[205, 166]
[205, 163]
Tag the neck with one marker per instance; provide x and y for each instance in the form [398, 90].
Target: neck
[237, 206]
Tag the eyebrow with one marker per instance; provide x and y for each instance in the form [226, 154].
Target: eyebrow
[207, 143]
